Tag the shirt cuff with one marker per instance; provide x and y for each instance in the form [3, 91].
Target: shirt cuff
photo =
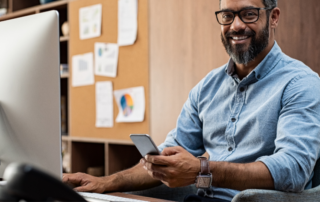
[283, 172]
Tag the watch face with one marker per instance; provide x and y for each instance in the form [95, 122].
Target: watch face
[204, 182]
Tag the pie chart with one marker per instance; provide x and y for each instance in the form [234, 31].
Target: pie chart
[126, 104]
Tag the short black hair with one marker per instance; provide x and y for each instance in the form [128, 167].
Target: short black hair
[267, 3]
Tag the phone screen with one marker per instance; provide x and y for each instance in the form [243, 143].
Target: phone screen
[144, 144]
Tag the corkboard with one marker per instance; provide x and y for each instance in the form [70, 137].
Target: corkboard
[133, 71]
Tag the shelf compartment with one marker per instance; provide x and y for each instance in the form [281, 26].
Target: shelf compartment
[121, 157]
[85, 155]
[15, 13]
[64, 38]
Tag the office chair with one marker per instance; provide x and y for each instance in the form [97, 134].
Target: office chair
[258, 195]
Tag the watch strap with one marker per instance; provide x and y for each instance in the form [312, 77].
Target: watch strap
[204, 165]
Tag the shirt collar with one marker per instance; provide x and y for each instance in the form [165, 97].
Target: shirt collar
[265, 66]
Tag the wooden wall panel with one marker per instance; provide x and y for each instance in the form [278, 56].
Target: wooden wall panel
[298, 31]
[133, 71]
[184, 46]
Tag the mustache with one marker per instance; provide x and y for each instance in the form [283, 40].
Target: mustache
[240, 33]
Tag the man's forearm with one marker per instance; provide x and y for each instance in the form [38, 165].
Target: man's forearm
[133, 179]
[176, 168]
[241, 176]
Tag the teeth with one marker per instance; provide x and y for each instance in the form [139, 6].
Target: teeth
[239, 37]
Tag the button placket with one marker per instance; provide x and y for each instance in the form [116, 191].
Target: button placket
[230, 132]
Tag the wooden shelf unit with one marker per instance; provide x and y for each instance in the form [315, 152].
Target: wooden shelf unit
[113, 155]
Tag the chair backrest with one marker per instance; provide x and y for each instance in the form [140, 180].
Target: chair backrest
[316, 176]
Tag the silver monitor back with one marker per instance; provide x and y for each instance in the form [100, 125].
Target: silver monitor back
[30, 92]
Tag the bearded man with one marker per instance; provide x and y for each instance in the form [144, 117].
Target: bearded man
[258, 118]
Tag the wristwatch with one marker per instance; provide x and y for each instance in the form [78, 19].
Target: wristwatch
[204, 179]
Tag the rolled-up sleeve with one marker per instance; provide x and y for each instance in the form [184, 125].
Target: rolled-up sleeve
[188, 131]
[298, 135]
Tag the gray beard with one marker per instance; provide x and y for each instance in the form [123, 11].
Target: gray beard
[257, 45]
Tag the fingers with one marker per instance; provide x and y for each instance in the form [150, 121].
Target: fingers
[73, 178]
[83, 189]
[169, 151]
[157, 176]
[90, 187]
[164, 158]
[159, 172]
[94, 187]
[76, 179]
[157, 159]
[84, 182]
[155, 168]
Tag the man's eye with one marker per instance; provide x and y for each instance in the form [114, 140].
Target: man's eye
[249, 14]
[227, 16]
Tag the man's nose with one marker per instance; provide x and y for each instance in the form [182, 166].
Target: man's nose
[237, 24]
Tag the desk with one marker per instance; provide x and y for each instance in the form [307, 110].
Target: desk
[137, 197]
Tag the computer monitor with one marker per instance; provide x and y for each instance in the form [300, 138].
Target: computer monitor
[30, 92]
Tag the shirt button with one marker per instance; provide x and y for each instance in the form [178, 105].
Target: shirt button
[230, 149]
[233, 119]
[258, 76]
[241, 89]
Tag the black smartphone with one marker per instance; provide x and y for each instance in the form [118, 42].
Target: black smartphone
[144, 144]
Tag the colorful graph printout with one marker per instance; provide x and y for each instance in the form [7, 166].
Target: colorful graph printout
[126, 104]
[131, 104]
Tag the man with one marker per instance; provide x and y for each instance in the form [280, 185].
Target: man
[258, 117]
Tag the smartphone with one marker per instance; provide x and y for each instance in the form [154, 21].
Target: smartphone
[144, 144]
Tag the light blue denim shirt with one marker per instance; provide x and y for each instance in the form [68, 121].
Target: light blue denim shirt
[272, 116]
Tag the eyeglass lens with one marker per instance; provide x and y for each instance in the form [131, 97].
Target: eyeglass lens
[247, 16]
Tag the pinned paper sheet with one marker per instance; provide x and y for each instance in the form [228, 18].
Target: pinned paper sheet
[131, 103]
[82, 70]
[106, 59]
[128, 22]
[104, 105]
[90, 21]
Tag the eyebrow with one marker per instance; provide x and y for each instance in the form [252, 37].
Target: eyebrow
[247, 7]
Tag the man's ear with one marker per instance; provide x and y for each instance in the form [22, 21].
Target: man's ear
[274, 18]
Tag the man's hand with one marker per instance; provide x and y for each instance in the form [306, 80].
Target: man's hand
[86, 183]
[132, 179]
[175, 167]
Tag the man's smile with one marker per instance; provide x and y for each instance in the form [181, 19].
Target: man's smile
[239, 39]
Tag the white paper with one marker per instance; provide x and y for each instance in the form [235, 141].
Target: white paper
[127, 22]
[131, 104]
[3, 11]
[90, 21]
[104, 104]
[106, 59]
[82, 70]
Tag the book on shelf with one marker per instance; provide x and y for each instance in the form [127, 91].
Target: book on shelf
[63, 114]
[64, 70]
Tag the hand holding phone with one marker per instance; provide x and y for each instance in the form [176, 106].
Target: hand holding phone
[144, 144]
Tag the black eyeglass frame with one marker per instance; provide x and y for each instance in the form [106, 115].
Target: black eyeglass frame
[238, 12]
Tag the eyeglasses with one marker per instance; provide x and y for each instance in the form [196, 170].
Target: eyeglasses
[247, 15]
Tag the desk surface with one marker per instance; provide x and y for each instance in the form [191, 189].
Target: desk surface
[137, 197]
